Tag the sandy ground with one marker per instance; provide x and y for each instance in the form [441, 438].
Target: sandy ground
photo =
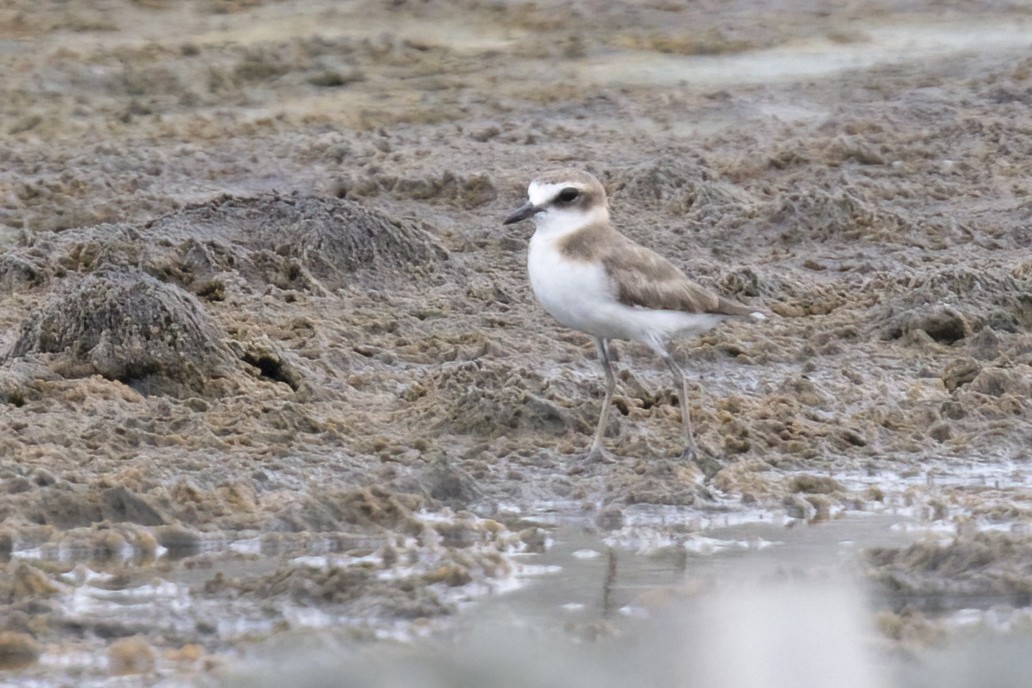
[256, 298]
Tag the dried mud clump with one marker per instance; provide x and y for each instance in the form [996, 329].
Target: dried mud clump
[372, 509]
[661, 482]
[822, 215]
[983, 563]
[301, 242]
[67, 505]
[127, 326]
[450, 485]
[18, 650]
[130, 656]
[20, 582]
[346, 590]
[953, 304]
[17, 272]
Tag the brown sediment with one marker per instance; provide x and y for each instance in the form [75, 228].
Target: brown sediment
[254, 288]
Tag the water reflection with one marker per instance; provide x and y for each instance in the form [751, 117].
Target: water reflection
[757, 606]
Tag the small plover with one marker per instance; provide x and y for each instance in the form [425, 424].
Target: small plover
[594, 279]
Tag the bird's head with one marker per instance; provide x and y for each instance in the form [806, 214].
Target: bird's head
[563, 201]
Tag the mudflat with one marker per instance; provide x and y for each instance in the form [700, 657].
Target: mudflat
[257, 304]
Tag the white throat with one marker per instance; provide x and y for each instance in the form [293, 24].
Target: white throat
[555, 223]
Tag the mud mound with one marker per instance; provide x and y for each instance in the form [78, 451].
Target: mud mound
[486, 399]
[22, 381]
[447, 188]
[127, 326]
[1000, 393]
[300, 242]
[370, 509]
[305, 243]
[659, 481]
[18, 271]
[841, 213]
[67, 506]
[952, 304]
[676, 185]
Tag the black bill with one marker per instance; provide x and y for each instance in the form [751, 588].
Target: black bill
[521, 213]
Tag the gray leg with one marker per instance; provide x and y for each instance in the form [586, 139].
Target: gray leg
[686, 417]
[603, 357]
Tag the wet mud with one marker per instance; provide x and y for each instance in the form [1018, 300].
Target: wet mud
[269, 361]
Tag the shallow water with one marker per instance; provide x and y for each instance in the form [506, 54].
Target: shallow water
[755, 604]
[718, 596]
[871, 45]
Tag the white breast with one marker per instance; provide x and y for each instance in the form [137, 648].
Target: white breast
[576, 293]
[579, 294]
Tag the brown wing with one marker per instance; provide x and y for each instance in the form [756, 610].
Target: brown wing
[645, 278]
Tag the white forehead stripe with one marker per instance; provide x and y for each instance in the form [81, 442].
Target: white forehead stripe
[542, 193]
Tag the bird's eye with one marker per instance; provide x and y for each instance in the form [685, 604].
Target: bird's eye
[568, 194]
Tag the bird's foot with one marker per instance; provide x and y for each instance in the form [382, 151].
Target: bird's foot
[596, 456]
[709, 464]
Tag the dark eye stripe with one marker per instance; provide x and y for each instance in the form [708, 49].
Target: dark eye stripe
[568, 194]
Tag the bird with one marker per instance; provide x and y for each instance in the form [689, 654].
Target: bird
[592, 278]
